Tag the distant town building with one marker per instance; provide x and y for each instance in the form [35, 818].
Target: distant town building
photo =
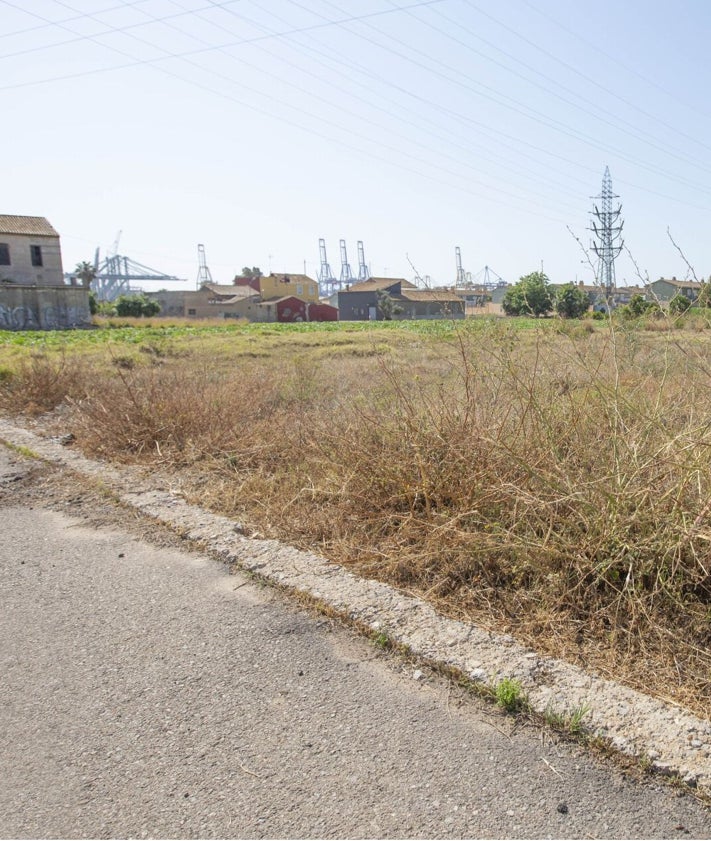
[275, 297]
[664, 290]
[281, 285]
[382, 298]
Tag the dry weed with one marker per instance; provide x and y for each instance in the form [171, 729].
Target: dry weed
[554, 484]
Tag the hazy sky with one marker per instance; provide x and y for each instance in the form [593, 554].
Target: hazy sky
[258, 127]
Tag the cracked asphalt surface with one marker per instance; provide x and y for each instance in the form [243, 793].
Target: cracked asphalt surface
[146, 692]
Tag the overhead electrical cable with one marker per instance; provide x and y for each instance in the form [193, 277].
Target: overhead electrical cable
[600, 116]
[457, 78]
[109, 30]
[300, 111]
[493, 196]
[676, 96]
[328, 80]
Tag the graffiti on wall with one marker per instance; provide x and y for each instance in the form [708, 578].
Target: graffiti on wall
[41, 315]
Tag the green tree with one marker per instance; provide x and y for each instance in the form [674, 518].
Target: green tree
[679, 304]
[136, 306]
[93, 303]
[255, 271]
[387, 306]
[530, 296]
[638, 307]
[571, 301]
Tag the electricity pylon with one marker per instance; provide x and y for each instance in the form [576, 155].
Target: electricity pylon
[607, 228]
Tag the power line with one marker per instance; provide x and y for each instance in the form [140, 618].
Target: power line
[418, 125]
[494, 196]
[629, 69]
[112, 30]
[534, 115]
[592, 81]
[340, 22]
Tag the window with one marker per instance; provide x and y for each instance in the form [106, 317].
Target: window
[299, 288]
[4, 254]
[36, 255]
[191, 312]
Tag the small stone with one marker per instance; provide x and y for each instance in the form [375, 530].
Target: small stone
[663, 768]
[122, 555]
[417, 675]
[562, 808]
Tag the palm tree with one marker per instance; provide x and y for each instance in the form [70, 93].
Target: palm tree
[85, 272]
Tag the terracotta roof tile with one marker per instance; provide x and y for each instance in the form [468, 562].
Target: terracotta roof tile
[32, 225]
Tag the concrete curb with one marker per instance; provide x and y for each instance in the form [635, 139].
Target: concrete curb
[675, 741]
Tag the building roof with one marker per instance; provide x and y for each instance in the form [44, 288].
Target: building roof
[439, 295]
[277, 299]
[32, 225]
[377, 283]
[680, 284]
[292, 278]
[234, 292]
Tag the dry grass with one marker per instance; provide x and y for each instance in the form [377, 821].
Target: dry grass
[553, 484]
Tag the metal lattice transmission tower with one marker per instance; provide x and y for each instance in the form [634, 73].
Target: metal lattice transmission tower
[363, 273]
[326, 281]
[346, 273]
[607, 228]
[204, 273]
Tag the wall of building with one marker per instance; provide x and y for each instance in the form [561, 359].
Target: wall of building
[276, 286]
[423, 310]
[21, 270]
[204, 304]
[356, 306]
[323, 312]
[662, 290]
[43, 308]
[171, 302]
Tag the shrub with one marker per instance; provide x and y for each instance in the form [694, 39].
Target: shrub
[679, 304]
[530, 296]
[136, 306]
[571, 301]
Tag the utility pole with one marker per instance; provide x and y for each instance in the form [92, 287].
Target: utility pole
[607, 228]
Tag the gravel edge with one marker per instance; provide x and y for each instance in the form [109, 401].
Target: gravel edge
[672, 740]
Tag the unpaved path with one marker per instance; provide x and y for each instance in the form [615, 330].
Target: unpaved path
[147, 692]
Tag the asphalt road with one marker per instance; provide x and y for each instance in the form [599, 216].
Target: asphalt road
[145, 692]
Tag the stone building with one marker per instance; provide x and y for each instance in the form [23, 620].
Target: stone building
[30, 254]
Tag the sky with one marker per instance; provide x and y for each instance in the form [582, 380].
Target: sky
[256, 127]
